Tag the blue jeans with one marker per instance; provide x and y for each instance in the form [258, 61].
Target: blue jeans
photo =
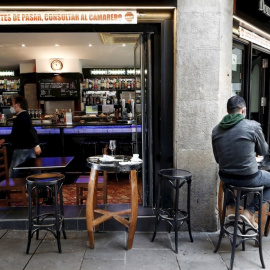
[18, 157]
[262, 179]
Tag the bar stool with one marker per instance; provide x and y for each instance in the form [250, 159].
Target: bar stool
[104, 145]
[82, 185]
[130, 145]
[45, 221]
[241, 229]
[88, 144]
[175, 217]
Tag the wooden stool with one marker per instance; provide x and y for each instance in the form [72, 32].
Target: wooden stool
[82, 185]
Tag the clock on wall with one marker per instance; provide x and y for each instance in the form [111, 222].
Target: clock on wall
[56, 65]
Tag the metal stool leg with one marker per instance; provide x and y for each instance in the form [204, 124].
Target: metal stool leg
[176, 216]
[188, 210]
[235, 227]
[157, 211]
[37, 210]
[60, 191]
[29, 189]
[260, 229]
[57, 224]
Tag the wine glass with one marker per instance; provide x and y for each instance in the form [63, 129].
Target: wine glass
[112, 146]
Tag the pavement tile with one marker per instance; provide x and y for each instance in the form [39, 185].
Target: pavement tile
[90, 264]
[149, 259]
[143, 241]
[13, 247]
[48, 257]
[108, 246]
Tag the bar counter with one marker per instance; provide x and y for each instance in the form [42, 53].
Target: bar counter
[93, 128]
[62, 139]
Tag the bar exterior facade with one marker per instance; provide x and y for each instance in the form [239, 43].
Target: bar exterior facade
[191, 80]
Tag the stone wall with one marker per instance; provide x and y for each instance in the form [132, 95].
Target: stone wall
[203, 85]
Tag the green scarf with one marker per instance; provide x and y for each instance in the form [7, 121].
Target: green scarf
[231, 120]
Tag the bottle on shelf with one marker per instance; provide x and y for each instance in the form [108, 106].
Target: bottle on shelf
[102, 86]
[116, 84]
[122, 84]
[90, 84]
[62, 117]
[132, 84]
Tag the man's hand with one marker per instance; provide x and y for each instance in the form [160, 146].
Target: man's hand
[37, 150]
[1, 142]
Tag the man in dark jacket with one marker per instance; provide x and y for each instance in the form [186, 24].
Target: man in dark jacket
[236, 141]
[23, 135]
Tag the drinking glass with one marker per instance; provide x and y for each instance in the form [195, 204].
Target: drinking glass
[112, 146]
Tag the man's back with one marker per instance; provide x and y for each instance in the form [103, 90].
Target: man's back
[235, 148]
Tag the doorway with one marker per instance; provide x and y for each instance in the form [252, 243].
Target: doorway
[259, 90]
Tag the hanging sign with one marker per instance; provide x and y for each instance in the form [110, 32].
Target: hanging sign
[252, 37]
[68, 17]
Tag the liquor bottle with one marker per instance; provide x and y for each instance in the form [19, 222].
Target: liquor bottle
[128, 84]
[122, 84]
[86, 83]
[90, 84]
[83, 97]
[87, 101]
[132, 84]
[102, 84]
[108, 84]
[117, 84]
[62, 117]
[138, 99]
[117, 113]
[108, 100]
[111, 84]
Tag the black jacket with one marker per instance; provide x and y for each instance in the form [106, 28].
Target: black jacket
[23, 134]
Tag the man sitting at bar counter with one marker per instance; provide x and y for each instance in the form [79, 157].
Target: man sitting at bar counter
[236, 141]
[23, 136]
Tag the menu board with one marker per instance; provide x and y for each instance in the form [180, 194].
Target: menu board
[58, 88]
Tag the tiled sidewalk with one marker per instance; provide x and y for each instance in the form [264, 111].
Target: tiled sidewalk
[110, 253]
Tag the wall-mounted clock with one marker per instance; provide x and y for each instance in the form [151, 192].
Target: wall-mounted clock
[56, 65]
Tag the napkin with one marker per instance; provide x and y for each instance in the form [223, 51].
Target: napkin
[259, 158]
[136, 159]
[107, 158]
[130, 162]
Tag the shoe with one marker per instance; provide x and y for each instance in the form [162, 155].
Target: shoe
[230, 213]
[249, 218]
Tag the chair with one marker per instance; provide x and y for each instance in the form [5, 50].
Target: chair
[82, 185]
[10, 185]
[240, 230]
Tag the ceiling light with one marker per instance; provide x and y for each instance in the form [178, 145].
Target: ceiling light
[123, 45]
[56, 45]
[23, 45]
[90, 45]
